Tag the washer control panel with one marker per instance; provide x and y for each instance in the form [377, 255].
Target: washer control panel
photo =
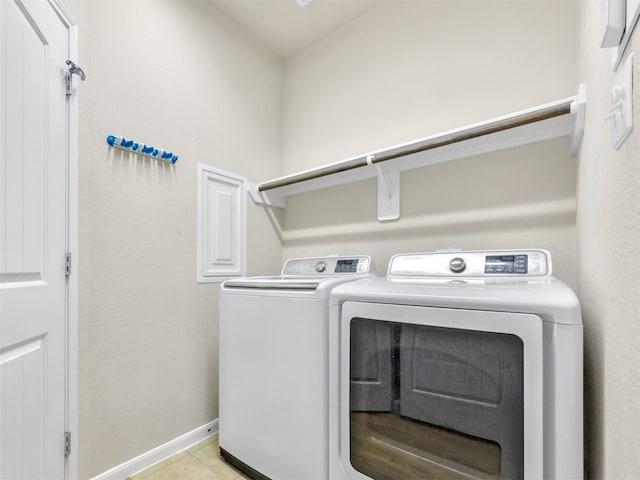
[509, 264]
[328, 266]
[475, 263]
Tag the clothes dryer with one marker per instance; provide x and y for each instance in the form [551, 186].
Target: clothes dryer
[274, 367]
[457, 365]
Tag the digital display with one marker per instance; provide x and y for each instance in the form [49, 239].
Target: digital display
[347, 266]
[514, 264]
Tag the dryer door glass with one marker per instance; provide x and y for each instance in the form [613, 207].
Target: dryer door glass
[433, 402]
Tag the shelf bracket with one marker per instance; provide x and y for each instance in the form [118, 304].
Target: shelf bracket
[388, 191]
[578, 110]
[271, 199]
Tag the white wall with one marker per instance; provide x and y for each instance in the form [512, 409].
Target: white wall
[489, 201]
[608, 227]
[405, 70]
[175, 74]
[384, 79]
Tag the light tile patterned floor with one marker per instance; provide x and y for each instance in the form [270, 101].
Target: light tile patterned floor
[200, 462]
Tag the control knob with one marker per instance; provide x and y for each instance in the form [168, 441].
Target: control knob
[321, 267]
[457, 265]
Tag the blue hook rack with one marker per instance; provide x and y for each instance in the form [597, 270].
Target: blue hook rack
[141, 148]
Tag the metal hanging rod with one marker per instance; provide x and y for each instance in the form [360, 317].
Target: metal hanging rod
[467, 133]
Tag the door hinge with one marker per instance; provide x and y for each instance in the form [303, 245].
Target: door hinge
[67, 444]
[68, 77]
[67, 264]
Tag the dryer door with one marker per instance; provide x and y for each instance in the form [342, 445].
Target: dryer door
[439, 393]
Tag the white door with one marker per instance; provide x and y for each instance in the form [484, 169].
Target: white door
[34, 45]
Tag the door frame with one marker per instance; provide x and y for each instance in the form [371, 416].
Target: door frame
[71, 380]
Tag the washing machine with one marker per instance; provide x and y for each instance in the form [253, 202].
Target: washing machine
[274, 377]
[457, 365]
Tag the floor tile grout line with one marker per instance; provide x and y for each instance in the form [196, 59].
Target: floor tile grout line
[235, 477]
[150, 472]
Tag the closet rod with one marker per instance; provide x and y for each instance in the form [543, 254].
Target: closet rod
[460, 135]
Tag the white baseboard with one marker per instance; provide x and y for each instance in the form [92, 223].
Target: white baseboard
[158, 454]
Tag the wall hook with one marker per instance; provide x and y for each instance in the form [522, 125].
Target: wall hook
[76, 70]
[68, 77]
[141, 148]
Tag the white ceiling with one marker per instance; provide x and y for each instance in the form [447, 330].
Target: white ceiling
[284, 27]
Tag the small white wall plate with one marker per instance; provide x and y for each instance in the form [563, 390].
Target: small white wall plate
[621, 115]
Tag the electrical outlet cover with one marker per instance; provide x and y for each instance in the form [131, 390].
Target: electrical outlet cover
[622, 105]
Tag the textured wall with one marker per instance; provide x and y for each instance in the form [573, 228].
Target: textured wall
[409, 69]
[175, 74]
[470, 203]
[608, 226]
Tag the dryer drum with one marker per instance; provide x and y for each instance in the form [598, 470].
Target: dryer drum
[432, 402]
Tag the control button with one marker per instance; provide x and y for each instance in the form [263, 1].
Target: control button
[535, 267]
[457, 265]
[321, 267]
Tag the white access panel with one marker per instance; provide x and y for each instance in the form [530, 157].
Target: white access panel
[221, 224]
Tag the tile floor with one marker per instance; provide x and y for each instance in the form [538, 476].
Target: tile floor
[200, 462]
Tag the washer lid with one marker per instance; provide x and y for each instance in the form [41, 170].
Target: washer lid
[272, 283]
[314, 276]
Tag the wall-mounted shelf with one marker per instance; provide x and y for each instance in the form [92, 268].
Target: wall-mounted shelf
[556, 119]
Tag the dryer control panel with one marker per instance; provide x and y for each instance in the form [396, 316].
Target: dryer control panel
[474, 263]
[328, 266]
